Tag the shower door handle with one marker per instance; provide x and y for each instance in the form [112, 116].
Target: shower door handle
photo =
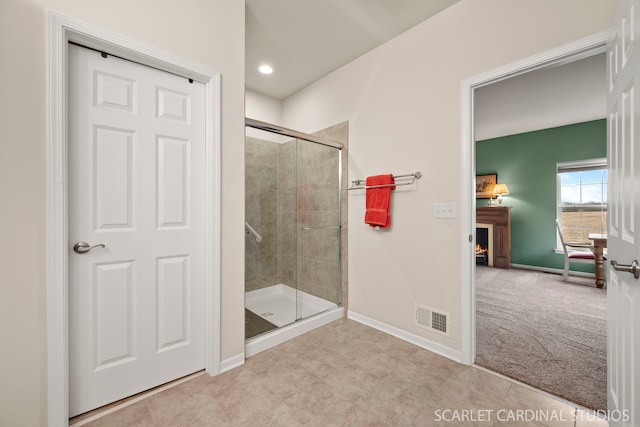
[321, 228]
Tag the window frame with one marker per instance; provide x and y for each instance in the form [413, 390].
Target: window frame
[574, 166]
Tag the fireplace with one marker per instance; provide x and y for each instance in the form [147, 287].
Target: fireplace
[484, 244]
[498, 220]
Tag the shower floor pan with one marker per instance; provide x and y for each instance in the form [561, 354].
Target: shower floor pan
[279, 304]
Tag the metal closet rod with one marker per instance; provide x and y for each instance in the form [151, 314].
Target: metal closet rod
[359, 184]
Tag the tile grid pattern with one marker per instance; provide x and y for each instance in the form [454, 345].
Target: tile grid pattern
[340, 133]
[260, 212]
[344, 374]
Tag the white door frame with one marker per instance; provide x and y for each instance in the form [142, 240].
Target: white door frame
[61, 30]
[565, 53]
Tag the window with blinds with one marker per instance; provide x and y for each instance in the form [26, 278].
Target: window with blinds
[582, 199]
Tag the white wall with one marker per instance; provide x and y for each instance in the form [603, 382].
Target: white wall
[402, 101]
[263, 107]
[543, 99]
[210, 32]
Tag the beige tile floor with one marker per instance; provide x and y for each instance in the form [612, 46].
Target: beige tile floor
[347, 374]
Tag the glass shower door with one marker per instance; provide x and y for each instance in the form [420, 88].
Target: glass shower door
[318, 228]
[292, 230]
[270, 296]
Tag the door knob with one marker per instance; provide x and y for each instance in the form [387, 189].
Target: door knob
[634, 268]
[83, 247]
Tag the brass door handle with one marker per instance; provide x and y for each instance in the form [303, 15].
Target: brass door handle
[634, 268]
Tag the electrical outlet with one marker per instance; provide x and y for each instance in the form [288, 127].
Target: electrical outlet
[444, 210]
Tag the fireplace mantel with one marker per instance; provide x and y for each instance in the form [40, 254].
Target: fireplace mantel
[500, 218]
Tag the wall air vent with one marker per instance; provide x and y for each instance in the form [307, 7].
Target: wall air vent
[430, 318]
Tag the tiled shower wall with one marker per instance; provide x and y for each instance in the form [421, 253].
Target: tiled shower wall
[318, 195]
[286, 189]
[261, 213]
[289, 187]
[340, 133]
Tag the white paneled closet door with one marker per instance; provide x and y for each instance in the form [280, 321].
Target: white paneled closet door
[136, 186]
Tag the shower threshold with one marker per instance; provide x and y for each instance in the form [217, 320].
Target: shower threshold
[278, 303]
[283, 305]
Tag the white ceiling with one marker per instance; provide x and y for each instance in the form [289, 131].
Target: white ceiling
[304, 40]
[556, 96]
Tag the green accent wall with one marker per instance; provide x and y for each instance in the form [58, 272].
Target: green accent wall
[527, 162]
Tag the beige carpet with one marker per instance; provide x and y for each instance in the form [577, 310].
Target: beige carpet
[550, 334]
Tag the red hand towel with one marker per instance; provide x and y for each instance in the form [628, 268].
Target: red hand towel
[379, 201]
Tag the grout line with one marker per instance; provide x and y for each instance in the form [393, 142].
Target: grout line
[144, 395]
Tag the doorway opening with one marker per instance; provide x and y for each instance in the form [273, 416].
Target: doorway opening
[581, 49]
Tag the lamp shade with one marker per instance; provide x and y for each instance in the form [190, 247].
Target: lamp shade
[500, 189]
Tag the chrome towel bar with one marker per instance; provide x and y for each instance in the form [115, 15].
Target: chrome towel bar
[360, 184]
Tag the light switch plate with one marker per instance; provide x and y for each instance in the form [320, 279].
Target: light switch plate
[444, 210]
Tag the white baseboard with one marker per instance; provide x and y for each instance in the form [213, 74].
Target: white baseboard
[553, 270]
[414, 339]
[231, 362]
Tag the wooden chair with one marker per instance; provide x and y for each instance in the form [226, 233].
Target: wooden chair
[578, 255]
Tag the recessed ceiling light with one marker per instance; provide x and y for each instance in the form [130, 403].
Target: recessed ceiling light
[265, 69]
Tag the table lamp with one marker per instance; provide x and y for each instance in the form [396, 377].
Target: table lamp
[500, 190]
